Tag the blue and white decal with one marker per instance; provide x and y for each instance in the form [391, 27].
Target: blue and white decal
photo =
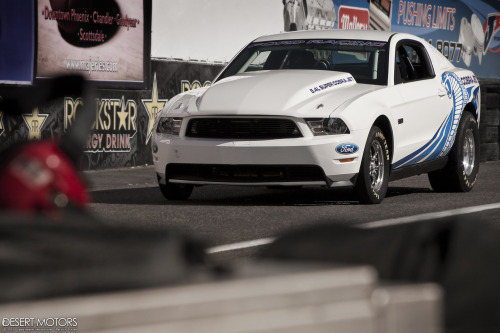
[440, 145]
[346, 148]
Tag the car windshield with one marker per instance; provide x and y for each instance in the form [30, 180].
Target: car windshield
[366, 61]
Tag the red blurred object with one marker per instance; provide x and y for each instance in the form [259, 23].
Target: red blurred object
[40, 177]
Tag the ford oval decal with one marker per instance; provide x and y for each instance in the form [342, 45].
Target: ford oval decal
[346, 148]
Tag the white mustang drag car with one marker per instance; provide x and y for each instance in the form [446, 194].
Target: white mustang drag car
[324, 108]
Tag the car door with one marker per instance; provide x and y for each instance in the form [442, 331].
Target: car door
[424, 106]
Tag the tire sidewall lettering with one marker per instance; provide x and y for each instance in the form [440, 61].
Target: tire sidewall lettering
[467, 180]
[381, 138]
[363, 186]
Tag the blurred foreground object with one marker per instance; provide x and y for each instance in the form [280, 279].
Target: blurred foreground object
[460, 254]
[256, 297]
[45, 258]
[42, 175]
[38, 176]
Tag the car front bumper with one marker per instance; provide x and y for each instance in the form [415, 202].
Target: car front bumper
[257, 162]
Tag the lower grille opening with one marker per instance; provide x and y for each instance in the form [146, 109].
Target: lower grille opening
[245, 173]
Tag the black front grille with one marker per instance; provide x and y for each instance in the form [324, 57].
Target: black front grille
[245, 173]
[242, 128]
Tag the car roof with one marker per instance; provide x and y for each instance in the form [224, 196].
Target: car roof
[374, 35]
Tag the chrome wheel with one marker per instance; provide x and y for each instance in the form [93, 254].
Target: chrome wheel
[371, 183]
[460, 173]
[469, 151]
[376, 165]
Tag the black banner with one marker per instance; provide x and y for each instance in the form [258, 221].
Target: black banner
[121, 131]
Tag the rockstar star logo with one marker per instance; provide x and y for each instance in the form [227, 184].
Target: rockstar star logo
[153, 106]
[1, 123]
[35, 123]
[122, 115]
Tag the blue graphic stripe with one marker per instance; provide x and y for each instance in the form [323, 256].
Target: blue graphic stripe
[414, 154]
[442, 143]
[436, 148]
[443, 139]
[475, 96]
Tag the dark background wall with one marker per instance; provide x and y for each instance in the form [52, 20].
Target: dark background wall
[125, 111]
[112, 143]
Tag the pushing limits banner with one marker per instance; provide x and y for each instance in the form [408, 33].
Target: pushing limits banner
[100, 39]
[467, 32]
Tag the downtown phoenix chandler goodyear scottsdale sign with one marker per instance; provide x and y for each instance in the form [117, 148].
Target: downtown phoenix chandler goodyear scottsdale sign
[101, 40]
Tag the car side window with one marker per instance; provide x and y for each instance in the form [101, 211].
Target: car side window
[412, 63]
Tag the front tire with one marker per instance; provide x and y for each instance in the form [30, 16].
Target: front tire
[460, 174]
[373, 178]
[172, 191]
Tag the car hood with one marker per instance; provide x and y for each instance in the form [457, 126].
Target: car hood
[300, 93]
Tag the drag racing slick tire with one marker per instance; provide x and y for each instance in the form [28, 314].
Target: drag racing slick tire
[460, 173]
[371, 184]
[173, 191]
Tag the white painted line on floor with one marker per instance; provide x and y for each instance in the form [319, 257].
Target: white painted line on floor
[241, 245]
[368, 225]
[429, 216]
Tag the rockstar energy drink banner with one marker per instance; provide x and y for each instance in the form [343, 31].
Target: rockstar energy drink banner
[175, 77]
[114, 126]
[120, 134]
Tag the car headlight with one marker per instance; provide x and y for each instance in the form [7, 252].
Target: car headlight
[327, 126]
[169, 125]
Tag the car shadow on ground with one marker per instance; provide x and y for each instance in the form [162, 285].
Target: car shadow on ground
[244, 196]
[399, 191]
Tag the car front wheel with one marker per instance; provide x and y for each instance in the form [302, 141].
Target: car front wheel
[371, 184]
[460, 174]
[172, 191]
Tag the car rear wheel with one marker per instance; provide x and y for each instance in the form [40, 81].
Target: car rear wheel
[460, 174]
[173, 191]
[371, 184]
